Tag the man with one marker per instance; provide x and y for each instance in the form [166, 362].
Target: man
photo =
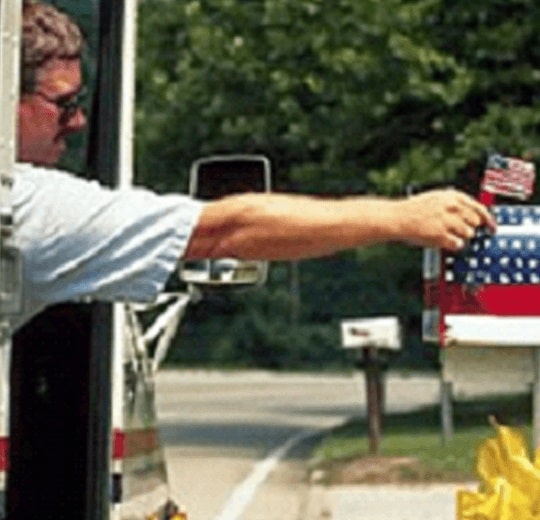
[50, 83]
[81, 240]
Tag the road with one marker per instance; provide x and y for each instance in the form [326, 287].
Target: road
[236, 443]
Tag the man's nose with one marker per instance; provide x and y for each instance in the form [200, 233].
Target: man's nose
[77, 121]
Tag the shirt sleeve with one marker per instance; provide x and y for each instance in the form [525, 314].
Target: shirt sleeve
[82, 241]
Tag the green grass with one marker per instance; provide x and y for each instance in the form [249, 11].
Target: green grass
[418, 435]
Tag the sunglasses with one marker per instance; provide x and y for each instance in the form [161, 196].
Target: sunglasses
[68, 106]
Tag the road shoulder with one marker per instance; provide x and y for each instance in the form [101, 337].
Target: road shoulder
[384, 501]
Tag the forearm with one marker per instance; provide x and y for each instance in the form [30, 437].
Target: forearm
[278, 227]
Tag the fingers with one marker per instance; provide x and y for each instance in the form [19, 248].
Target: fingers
[459, 232]
[475, 213]
[454, 243]
[464, 216]
[445, 218]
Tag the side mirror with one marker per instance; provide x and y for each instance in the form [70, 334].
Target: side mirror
[215, 177]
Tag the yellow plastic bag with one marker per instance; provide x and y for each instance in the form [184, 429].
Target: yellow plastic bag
[509, 481]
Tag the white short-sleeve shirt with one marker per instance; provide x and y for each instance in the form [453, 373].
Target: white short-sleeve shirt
[83, 241]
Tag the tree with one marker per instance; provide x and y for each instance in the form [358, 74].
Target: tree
[343, 97]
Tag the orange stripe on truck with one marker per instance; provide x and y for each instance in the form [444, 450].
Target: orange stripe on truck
[132, 443]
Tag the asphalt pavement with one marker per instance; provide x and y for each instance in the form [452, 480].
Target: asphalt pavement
[224, 431]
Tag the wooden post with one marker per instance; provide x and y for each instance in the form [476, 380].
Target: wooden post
[381, 394]
[373, 394]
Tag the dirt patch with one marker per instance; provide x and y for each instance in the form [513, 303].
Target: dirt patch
[376, 469]
[379, 470]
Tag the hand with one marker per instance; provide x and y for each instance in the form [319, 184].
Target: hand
[444, 219]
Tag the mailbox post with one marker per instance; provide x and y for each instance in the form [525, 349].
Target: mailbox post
[370, 337]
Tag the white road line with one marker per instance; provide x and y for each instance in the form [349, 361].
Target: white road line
[245, 491]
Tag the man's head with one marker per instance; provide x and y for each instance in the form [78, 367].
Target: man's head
[50, 83]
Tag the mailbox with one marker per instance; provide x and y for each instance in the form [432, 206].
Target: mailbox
[489, 293]
[383, 332]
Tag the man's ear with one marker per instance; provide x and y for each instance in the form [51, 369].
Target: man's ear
[26, 121]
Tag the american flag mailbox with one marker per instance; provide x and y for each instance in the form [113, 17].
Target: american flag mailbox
[489, 293]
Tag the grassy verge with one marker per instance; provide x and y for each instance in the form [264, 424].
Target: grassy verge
[411, 448]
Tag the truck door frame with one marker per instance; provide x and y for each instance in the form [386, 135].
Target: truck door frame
[82, 332]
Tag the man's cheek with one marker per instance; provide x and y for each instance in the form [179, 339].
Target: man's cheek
[46, 122]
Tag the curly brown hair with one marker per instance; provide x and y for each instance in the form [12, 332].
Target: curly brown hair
[47, 33]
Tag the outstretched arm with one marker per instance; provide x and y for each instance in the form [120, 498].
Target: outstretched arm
[285, 227]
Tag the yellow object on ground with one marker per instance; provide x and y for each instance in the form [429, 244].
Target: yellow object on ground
[509, 481]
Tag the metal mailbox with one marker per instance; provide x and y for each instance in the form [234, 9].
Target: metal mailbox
[383, 332]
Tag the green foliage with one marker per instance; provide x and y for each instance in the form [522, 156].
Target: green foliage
[343, 97]
[251, 329]
[405, 90]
